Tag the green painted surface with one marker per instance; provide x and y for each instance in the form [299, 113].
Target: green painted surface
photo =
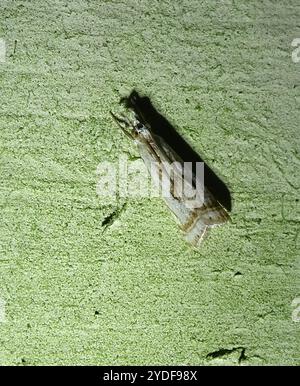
[136, 293]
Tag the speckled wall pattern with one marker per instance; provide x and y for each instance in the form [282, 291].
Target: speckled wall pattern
[135, 292]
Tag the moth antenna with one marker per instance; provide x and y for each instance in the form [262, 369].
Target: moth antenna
[123, 123]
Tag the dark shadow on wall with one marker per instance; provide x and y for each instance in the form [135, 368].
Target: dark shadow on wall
[147, 114]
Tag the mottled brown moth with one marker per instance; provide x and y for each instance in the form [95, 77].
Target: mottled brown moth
[195, 217]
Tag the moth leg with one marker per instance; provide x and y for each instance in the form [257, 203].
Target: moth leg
[124, 123]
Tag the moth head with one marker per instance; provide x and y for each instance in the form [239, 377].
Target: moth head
[136, 103]
[131, 127]
[139, 127]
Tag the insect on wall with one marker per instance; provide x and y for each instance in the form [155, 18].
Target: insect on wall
[178, 181]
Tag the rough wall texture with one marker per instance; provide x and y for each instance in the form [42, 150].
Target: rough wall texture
[135, 292]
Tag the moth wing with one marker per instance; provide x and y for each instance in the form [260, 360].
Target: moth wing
[168, 153]
[201, 219]
[197, 221]
[212, 211]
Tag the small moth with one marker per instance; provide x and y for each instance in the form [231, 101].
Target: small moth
[195, 217]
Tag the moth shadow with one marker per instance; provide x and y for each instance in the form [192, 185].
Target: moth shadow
[148, 114]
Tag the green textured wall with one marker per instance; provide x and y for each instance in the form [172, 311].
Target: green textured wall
[135, 292]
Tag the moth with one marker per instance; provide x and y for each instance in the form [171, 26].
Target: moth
[194, 219]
